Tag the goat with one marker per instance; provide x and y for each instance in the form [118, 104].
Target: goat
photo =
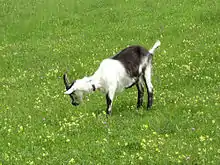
[132, 66]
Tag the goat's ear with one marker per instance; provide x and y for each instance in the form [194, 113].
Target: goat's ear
[66, 81]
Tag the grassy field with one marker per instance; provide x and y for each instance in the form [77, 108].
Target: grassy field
[40, 40]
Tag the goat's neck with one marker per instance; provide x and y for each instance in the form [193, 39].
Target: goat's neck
[95, 80]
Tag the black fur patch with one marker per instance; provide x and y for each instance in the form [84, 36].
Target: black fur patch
[131, 57]
[140, 89]
[93, 87]
[108, 101]
[150, 100]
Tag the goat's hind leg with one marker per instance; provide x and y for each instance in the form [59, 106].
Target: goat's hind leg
[149, 86]
[140, 89]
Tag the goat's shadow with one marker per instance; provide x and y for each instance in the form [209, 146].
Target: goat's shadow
[122, 106]
[125, 102]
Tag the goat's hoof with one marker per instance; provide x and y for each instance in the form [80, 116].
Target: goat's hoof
[149, 107]
[108, 113]
[139, 106]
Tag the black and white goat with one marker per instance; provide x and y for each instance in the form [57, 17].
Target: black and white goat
[131, 66]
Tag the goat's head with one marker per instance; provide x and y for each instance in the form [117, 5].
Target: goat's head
[75, 95]
[78, 88]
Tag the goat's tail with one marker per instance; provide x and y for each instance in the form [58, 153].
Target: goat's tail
[156, 45]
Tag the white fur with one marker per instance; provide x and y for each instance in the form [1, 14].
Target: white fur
[110, 74]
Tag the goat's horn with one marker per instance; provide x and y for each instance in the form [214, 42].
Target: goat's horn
[66, 81]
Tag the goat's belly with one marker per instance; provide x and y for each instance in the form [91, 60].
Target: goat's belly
[126, 82]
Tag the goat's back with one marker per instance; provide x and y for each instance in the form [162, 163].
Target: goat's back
[131, 58]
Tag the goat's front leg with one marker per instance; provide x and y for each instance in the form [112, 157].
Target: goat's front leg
[149, 86]
[140, 89]
[109, 100]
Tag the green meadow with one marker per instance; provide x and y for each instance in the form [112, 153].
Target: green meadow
[40, 40]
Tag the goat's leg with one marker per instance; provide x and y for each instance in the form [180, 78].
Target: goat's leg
[109, 100]
[140, 89]
[149, 86]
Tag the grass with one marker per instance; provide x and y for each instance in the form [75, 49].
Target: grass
[40, 40]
